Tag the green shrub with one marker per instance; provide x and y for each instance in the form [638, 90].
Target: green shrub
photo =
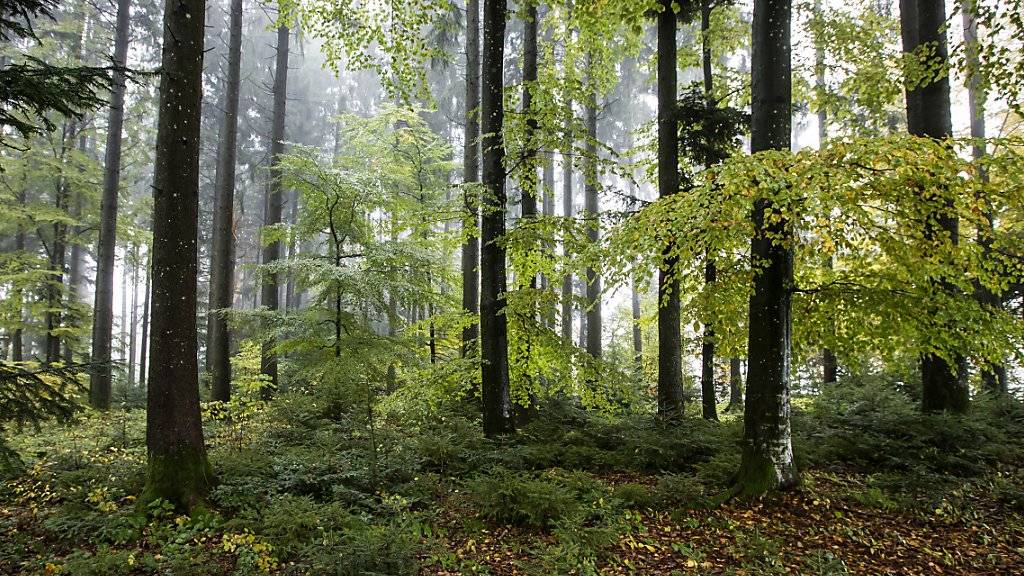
[521, 498]
[634, 496]
[675, 491]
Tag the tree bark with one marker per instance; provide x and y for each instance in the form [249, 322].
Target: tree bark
[103, 306]
[134, 316]
[58, 252]
[567, 212]
[993, 378]
[497, 405]
[709, 401]
[144, 342]
[829, 364]
[944, 385]
[177, 469]
[470, 176]
[272, 215]
[767, 459]
[222, 266]
[670, 347]
[735, 385]
[75, 266]
[592, 217]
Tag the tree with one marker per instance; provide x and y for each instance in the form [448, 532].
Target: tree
[222, 255]
[767, 459]
[592, 215]
[670, 367]
[497, 405]
[177, 468]
[470, 176]
[943, 378]
[707, 371]
[272, 214]
[993, 377]
[103, 306]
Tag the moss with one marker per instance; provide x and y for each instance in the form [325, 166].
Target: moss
[757, 476]
[182, 478]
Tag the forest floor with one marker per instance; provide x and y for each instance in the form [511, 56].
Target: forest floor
[301, 489]
[832, 524]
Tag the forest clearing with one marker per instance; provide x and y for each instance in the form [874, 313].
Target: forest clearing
[453, 287]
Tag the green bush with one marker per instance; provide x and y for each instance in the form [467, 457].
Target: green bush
[521, 498]
[675, 491]
[634, 496]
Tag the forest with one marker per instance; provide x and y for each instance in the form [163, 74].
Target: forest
[540, 287]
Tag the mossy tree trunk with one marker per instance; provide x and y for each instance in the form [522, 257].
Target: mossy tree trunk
[177, 469]
[767, 453]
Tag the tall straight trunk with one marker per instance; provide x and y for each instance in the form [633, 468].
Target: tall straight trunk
[177, 468]
[497, 404]
[909, 35]
[134, 315]
[944, 384]
[58, 252]
[567, 212]
[829, 364]
[103, 307]
[592, 217]
[293, 215]
[222, 265]
[272, 215]
[17, 338]
[670, 342]
[735, 384]
[767, 459]
[993, 378]
[470, 176]
[709, 400]
[144, 342]
[638, 336]
[530, 185]
[548, 211]
[124, 309]
[75, 265]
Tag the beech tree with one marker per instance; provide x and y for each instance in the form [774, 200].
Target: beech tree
[767, 456]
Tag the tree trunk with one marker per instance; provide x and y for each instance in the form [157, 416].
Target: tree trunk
[471, 175]
[829, 364]
[497, 405]
[75, 266]
[709, 401]
[58, 252]
[144, 342]
[134, 316]
[103, 307]
[944, 385]
[735, 385]
[993, 378]
[17, 338]
[670, 347]
[567, 212]
[177, 469]
[767, 459]
[222, 266]
[592, 216]
[272, 215]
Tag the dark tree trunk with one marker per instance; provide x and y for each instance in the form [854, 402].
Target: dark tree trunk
[222, 266]
[993, 378]
[497, 405]
[567, 212]
[709, 401]
[944, 385]
[58, 253]
[767, 460]
[638, 336]
[909, 35]
[471, 175]
[144, 341]
[134, 316]
[670, 343]
[592, 216]
[177, 468]
[75, 266]
[735, 385]
[103, 307]
[548, 211]
[829, 364]
[272, 215]
[17, 338]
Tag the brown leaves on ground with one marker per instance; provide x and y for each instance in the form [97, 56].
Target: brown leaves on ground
[818, 529]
